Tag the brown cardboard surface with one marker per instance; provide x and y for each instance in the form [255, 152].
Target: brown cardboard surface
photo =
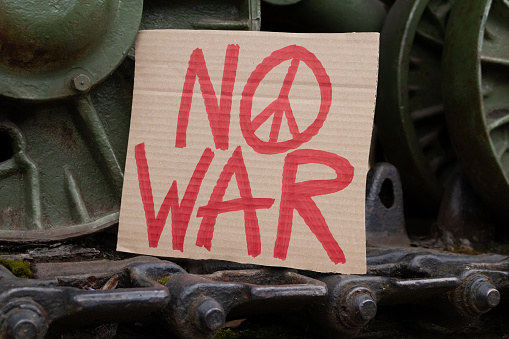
[293, 191]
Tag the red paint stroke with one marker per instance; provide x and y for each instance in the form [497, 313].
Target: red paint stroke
[297, 195]
[281, 106]
[246, 203]
[218, 115]
[180, 214]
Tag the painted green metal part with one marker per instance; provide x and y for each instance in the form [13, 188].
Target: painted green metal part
[282, 2]
[409, 111]
[62, 161]
[64, 176]
[325, 16]
[476, 91]
[201, 14]
[53, 50]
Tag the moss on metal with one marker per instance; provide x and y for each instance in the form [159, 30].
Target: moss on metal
[163, 280]
[19, 268]
[274, 332]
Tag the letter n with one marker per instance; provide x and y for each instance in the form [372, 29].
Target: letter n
[218, 115]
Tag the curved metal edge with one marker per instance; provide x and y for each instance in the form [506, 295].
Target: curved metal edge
[49, 235]
[392, 117]
[464, 104]
[43, 87]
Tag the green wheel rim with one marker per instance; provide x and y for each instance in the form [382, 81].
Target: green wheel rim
[410, 115]
[476, 91]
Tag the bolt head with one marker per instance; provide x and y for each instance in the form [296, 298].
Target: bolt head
[364, 306]
[487, 296]
[493, 297]
[81, 83]
[25, 329]
[357, 307]
[25, 324]
[211, 315]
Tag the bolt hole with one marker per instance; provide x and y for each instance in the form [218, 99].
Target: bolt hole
[386, 194]
[6, 150]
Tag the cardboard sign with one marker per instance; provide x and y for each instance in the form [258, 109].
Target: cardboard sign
[250, 147]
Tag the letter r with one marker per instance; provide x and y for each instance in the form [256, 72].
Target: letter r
[297, 195]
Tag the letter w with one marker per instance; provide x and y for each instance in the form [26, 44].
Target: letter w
[180, 214]
[218, 115]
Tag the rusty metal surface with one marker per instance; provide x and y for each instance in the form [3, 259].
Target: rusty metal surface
[461, 287]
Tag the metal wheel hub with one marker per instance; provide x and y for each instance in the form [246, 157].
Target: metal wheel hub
[45, 45]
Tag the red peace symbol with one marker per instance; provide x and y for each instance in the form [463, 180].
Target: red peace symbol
[282, 104]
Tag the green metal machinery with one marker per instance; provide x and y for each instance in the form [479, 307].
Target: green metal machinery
[442, 120]
[476, 93]
[443, 98]
[65, 101]
[66, 73]
[410, 113]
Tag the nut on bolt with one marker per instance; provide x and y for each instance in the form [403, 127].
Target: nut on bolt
[211, 315]
[478, 295]
[81, 83]
[364, 306]
[485, 296]
[24, 322]
[358, 307]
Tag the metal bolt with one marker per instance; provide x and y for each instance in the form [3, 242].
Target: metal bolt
[486, 296]
[211, 315]
[81, 83]
[25, 324]
[365, 307]
[357, 307]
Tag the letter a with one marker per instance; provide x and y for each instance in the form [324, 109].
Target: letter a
[180, 214]
[246, 203]
[218, 115]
